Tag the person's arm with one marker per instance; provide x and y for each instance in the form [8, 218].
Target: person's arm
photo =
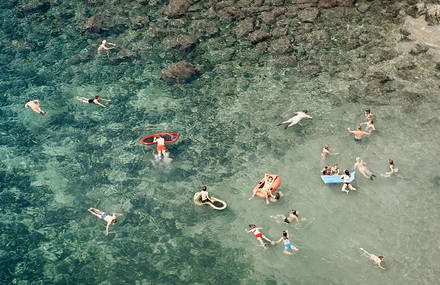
[277, 241]
[308, 116]
[350, 131]
[117, 215]
[106, 228]
[106, 100]
[380, 265]
[296, 218]
[365, 133]
[26, 105]
[93, 212]
[97, 103]
[364, 123]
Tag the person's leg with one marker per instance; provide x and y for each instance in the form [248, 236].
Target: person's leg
[261, 242]
[253, 194]
[267, 239]
[286, 251]
[344, 186]
[351, 187]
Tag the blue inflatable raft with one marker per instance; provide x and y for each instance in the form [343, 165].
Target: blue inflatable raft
[336, 178]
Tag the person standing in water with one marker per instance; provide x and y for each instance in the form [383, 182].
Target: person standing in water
[368, 114]
[161, 149]
[377, 259]
[35, 106]
[295, 119]
[93, 100]
[326, 152]
[362, 167]
[205, 196]
[105, 46]
[111, 220]
[393, 167]
[287, 244]
[256, 231]
[358, 133]
[369, 126]
[347, 183]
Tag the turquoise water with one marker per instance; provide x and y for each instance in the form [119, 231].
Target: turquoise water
[78, 156]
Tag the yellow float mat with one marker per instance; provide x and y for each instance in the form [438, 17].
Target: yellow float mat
[218, 204]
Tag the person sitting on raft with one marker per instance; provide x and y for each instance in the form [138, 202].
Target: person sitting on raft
[335, 170]
[205, 196]
[326, 170]
[377, 259]
[369, 126]
[326, 152]
[35, 106]
[266, 189]
[358, 133]
[111, 220]
[256, 231]
[161, 149]
[293, 215]
[287, 244]
[362, 167]
[347, 183]
[93, 100]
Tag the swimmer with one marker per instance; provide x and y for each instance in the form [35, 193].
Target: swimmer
[346, 177]
[265, 189]
[161, 149]
[293, 215]
[377, 259]
[258, 235]
[295, 119]
[276, 197]
[393, 167]
[34, 105]
[287, 244]
[326, 152]
[205, 196]
[105, 46]
[358, 133]
[326, 170]
[93, 100]
[111, 220]
[369, 126]
[362, 167]
[335, 170]
[368, 114]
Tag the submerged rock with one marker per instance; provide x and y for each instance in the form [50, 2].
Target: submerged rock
[177, 8]
[308, 15]
[181, 71]
[259, 36]
[286, 61]
[281, 46]
[244, 27]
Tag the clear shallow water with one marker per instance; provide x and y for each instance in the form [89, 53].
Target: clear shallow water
[80, 156]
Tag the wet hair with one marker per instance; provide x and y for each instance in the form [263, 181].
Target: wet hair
[294, 212]
[391, 161]
[27, 100]
[381, 257]
[367, 110]
[285, 234]
[114, 221]
[371, 121]
[347, 172]
[305, 111]
[252, 226]
[359, 128]
[96, 97]
[277, 196]
[326, 146]
[270, 177]
[204, 188]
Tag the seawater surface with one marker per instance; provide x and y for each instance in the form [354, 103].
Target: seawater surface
[79, 155]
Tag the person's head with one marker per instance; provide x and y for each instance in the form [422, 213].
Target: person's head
[104, 42]
[371, 122]
[277, 196]
[114, 221]
[326, 167]
[294, 212]
[284, 234]
[270, 178]
[252, 226]
[367, 111]
[97, 97]
[326, 146]
[359, 128]
[27, 100]
[204, 188]
[381, 258]
[358, 158]
[390, 161]
[347, 172]
[305, 111]
[336, 165]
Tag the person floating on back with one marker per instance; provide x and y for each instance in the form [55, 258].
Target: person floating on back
[362, 167]
[295, 119]
[105, 46]
[326, 152]
[111, 220]
[34, 105]
[377, 259]
[256, 231]
[287, 244]
[93, 100]
[161, 149]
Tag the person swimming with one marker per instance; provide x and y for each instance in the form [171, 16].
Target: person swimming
[326, 152]
[111, 220]
[286, 242]
[392, 166]
[276, 197]
[368, 114]
[362, 167]
[205, 196]
[376, 259]
[161, 149]
[105, 46]
[358, 133]
[295, 119]
[326, 170]
[293, 215]
[93, 100]
[369, 126]
[347, 183]
[35, 106]
[256, 231]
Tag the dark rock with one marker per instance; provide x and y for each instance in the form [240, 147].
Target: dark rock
[328, 3]
[244, 3]
[259, 36]
[34, 6]
[308, 15]
[256, 10]
[244, 27]
[278, 2]
[139, 22]
[268, 17]
[95, 23]
[310, 70]
[232, 13]
[306, 3]
[204, 27]
[196, 7]
[279, 32]
[211, 14]
[418, 49]
[380, 76]
[346, 3]
[224, 4]
[177, 8]
[181, 42]
[281, 46]
[286, 61]
[181, 71]
[375, 93]
[125, 54]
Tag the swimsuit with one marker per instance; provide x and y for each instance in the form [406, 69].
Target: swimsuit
[103, 216]
[91, 101]
[286, 221]
[161, 147]
[287, 245]
[258, 235]
[357, 140]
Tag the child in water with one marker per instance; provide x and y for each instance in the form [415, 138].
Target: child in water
[256, 231]
[377, 259]
[287, 244]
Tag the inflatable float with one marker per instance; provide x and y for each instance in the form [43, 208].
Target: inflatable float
[259, 188]
[169, 138]
[218, 204]
[328, 179]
